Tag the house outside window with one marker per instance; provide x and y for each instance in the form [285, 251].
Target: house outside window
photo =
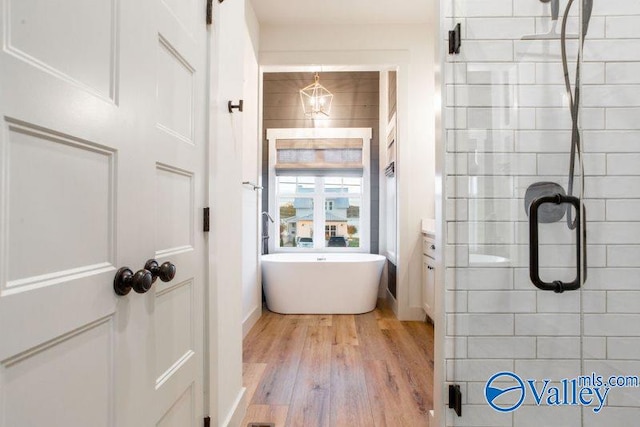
[297, 198]
[320, 203]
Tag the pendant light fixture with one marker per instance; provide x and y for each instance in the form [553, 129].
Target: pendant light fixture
[316, 99]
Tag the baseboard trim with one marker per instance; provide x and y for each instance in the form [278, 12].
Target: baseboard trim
[393, 303]
[251, 319]
[414, 314]
[238, 410]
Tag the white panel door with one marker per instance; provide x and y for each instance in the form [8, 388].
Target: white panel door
[102, 133]
[178, 153]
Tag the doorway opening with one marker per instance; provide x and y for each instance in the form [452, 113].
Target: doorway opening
[284, 354]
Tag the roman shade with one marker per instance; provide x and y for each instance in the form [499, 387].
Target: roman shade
[319, 157]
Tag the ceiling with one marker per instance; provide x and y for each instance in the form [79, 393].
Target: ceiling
[313, 12]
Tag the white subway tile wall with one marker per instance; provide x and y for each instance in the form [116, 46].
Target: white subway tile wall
[508, 125]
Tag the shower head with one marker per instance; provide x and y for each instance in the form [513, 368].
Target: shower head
[553, 31]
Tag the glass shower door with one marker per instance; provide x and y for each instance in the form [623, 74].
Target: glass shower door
[526, 339]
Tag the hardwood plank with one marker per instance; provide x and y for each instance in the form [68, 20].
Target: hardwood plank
[310, 404]
[313, 319]
[282, 366]
[370, 338]
[389, 396]
[306, 379]
[291, 335]
[276, 414]
[385, 310]
[422, 335]
[262, 337]
[386, 318]
[386, 324]
[251, 375]
[377, 313]
[349, 400]
[415, 368]
[344, 328]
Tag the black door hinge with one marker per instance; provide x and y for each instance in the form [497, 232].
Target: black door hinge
[455, 40]
[209, 12]
[206, 222]
[207, 421]
[455, 399]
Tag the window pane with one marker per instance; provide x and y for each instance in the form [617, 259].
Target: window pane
[354, 187]
[296, 222]
[353, 223]
[353, 181]
[293, 184]
[307, 180]
[332, 181]
[306, 184]
[286, 184]
[342, 222]
[334, 185]
[343, 185]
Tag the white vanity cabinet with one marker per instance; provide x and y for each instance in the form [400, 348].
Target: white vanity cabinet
[428, 274]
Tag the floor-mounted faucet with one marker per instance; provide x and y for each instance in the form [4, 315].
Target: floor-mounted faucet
[268, 216]
[265, 232]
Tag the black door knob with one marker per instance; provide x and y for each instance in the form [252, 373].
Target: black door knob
[126, 279]
[166, 272]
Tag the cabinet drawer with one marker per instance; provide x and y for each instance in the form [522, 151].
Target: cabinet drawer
[429, 247]
[428, 285]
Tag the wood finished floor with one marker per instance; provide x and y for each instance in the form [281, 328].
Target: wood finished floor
[338, 370]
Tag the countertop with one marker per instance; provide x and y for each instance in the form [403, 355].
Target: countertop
[429, 227]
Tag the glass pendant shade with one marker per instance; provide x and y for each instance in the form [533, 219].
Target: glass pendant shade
[316, 99]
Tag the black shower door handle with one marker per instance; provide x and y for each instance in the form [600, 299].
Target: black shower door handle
[557, 286]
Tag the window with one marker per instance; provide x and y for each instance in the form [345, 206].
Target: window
[297, 198]
[342, 221]
[293, 227]
[319, 188]
[330, 231]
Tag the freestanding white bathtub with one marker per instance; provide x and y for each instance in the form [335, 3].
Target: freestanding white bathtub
[321, 283]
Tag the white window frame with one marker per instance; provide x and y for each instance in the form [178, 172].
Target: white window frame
[365, 135]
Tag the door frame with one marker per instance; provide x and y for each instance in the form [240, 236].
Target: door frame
[438, 417]
[224, 395]
[373, 60]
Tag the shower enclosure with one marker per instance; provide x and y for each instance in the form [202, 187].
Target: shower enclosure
[536, 197]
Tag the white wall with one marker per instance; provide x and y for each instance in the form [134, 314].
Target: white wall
[251, 286]
[377, 47]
